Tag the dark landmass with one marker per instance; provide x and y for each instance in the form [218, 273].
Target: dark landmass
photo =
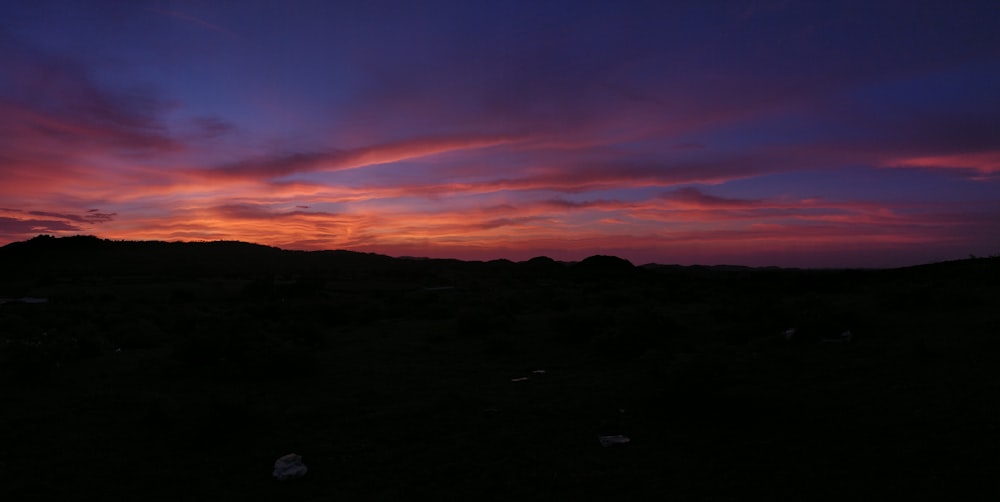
[182, 371]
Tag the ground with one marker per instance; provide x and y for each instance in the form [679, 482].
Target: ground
[392, 387]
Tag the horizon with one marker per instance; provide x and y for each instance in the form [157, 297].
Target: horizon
[521, 260]
[855, 135]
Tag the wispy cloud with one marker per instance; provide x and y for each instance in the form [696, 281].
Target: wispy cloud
[19, 228]
[50, 101]
[336, 160]
[693, 197]
[211, 127]
[982, 163]
[91, 216]
[196, 21]
[61, 131]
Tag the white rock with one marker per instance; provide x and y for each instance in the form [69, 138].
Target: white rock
[289, 467]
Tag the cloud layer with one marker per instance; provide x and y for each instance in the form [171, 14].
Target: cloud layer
[761, 133]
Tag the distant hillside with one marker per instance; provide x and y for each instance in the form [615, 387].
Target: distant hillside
[47, 256]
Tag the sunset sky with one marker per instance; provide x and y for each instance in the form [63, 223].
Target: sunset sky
[789, 133]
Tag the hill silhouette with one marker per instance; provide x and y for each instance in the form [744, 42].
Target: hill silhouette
[90, 254]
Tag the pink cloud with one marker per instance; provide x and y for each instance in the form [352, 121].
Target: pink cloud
[987, 162]
[693, 197]
[337, 160]
[584, 177]
[705, 227]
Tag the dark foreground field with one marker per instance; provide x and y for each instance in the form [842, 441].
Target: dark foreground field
[156, 371]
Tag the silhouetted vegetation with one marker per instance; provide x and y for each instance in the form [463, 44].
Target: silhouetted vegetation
[169, 371]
